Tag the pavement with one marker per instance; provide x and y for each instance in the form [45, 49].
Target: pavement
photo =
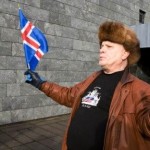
[41, 134]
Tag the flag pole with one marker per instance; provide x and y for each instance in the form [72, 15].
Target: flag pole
[27, 64]
[28, 77]
[18, 5]
[28, 67]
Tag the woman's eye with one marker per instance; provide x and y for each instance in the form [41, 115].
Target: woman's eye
[109, 46]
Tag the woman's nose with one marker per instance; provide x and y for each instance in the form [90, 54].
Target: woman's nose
[102, 49]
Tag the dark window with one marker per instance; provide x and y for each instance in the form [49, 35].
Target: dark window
[141, 16]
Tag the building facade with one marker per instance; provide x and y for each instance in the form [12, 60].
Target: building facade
[71, 28]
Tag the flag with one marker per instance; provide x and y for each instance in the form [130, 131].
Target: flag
[34, 42]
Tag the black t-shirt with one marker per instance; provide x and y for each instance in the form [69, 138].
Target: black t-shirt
[87, 128]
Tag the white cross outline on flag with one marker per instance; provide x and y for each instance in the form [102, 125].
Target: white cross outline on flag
[27, 39]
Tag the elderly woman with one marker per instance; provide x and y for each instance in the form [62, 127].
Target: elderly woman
[111, 108]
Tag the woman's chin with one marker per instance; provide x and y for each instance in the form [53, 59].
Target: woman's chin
[102, 64]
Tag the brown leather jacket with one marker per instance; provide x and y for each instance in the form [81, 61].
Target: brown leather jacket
[128, 126]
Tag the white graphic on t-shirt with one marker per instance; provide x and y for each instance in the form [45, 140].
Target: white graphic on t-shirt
[92, 98]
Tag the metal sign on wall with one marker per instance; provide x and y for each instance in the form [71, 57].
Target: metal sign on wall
[143, 33]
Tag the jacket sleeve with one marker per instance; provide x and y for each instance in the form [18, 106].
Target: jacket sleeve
[66, 95]
[62, 95]
[143, 116]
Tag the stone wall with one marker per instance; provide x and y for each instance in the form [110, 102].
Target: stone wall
[71, 29]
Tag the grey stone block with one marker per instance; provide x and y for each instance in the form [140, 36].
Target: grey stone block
[120, 9]
[27, 89]
[16, 63]
[66, 65]
[9, 7]
[3, 62]
[50, 28]
[40, 24]
[62, 31]
[60, 53]
[7, 76]
[5, 48]
[98, 9]
[22, 115]
[91, 66]
[24, 102]
[10, 35]
[74, 12]
[0, 32]
[6, 103]
[53, 17]
[76, 3]
[127, 4]
[20, 78]
[83, 25]
[17, 49]
[94, 18]
[59, 19]
[65, 76]
[85, 56]
[86, 46]
[76, 66]
[13, 90]
[83, 14]
[55, 64]
[95, 1]
[88, 36]
[36, 13]
[64, 20]
[56, 41]
[3, 90]
[48, 111]
[70, 33]
[32, 2]
[0, 103]
[39, 112]
[9, 21]
[67, 54]
[53, 6]
[5, 117]
[143, 4]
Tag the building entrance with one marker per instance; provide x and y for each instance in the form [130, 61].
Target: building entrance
[144, 65]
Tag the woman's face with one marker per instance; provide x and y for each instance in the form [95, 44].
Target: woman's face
[112, 56]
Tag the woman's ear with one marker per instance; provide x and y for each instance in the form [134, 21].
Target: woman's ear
[125, 55]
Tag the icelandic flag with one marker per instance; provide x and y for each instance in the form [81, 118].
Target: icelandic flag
[34, 42]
